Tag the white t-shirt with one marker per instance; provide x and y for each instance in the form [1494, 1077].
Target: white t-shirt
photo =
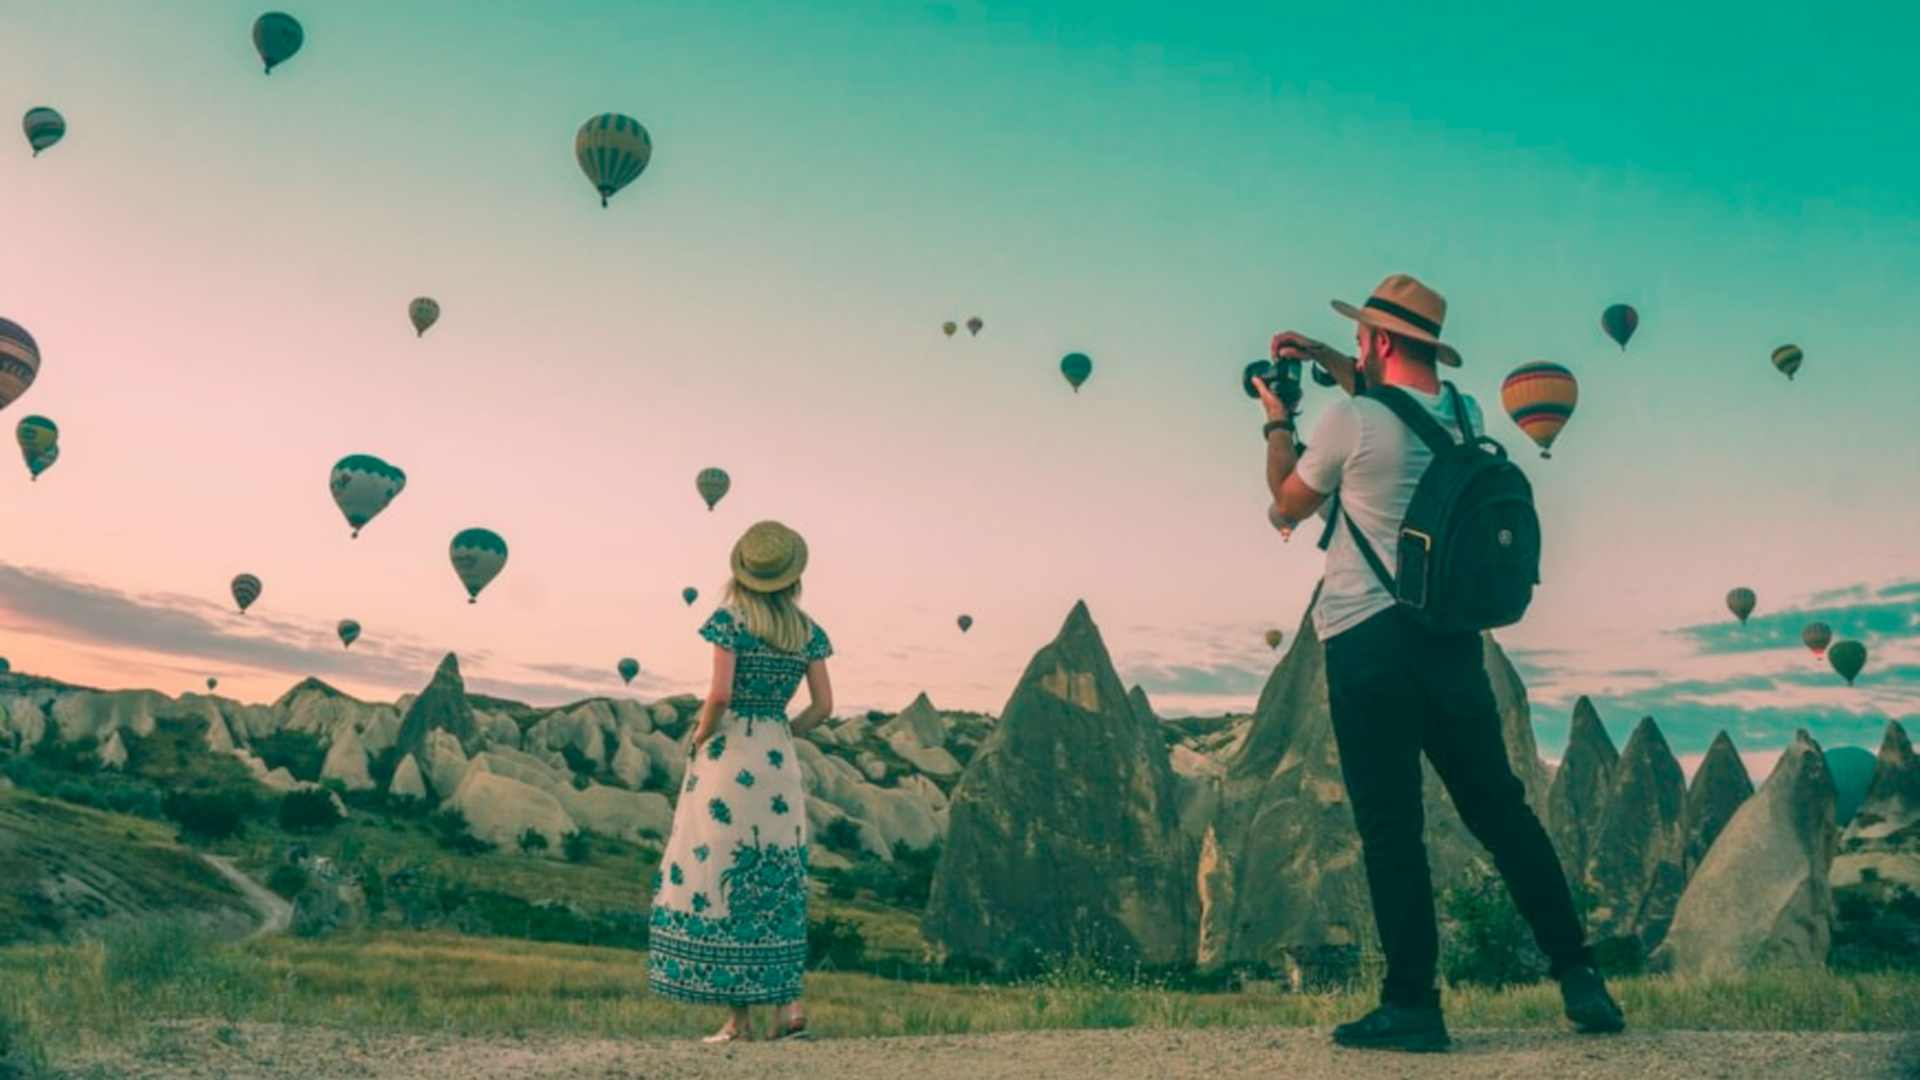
[1366, 453]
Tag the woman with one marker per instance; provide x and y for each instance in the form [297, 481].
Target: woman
[729, 921]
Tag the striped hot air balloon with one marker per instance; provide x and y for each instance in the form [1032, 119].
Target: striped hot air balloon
[19, 361]
[478, 555]
[612, 150]
[44, 127]
[423, 313]
[1076, 367]
[629, 667]
[246, 589]
[276, 37]
[362, 486]
[1540, 398]
[713, 485]
[1788, 358]
[1816, 636]
[349, 632]
[39, 440]
[1620, 321]
[1741, 601]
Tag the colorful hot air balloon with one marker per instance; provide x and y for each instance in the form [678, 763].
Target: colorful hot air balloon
[612, 150]
[1274, 637]
[211, 683]
[1847, 658]
[1076, 367]
[713, 485]
[423, 312]
[246, 589]
[1282, 524]
[1620, 321]
[689, 594]
[362, 486]
[39, 440]
[478, 555]
[19, 361]
[973, 326]
[966, 623]
[5, 665]
[349, 632]
[44, 127]
[1787, 358]
[949, 328]
[1816, 636]
[1740, 602]
[1540, 398]
[276, 37]
[629, 667]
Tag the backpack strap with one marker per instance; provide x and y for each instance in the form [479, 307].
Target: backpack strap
[1419, 419]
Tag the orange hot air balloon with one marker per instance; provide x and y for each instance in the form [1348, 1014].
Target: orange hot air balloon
[1540, 398]
[1740, 602]
[1816, 636]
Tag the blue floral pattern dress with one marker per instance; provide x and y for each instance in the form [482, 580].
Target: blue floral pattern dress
[729, 923]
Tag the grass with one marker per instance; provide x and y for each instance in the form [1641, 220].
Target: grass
[110, 993]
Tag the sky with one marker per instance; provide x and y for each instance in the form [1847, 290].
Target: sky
[217, 263]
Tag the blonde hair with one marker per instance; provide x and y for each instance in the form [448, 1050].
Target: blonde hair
[775, 618]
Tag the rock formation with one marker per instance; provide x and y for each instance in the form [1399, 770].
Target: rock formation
[1718, 790]
[1889, 819]
[1580, 788]
[1634, 875]
[1062, 837]
[443, 706]
[1762, 896]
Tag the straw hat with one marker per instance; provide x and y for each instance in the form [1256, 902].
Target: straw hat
[1403, 306]
[768, 557]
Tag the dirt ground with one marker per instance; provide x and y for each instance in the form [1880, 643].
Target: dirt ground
[255, 1052]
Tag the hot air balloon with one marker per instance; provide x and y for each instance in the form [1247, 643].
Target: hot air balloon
[1540, 398]
[423, 313]
[362, 486]
[1282, 524]
[1620, 321]
[973, 326]
[966, 623]
[949, 328]
[19, 361]
[349, 632]
[44, 127]
[246, 589]
[1787, 358]
[689, 594]
[5, 665]
[712, 485]
[211, 683]
[1076, 367]
[612, 151]
[1847, 658]
[1274, 638]
[629, 667]
[1852, 769]
[1740, 602]
[277, 37]
[1815, 636]
[39, 440]
[478, 555]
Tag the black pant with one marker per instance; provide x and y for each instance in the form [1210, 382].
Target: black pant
[1395, 690]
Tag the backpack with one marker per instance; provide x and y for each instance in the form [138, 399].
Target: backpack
[1469, 546]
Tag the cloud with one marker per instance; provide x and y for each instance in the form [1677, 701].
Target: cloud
[1891, 613]
[1188, 680]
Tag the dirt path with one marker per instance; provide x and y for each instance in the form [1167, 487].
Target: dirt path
[276, 914]
[206, 1051]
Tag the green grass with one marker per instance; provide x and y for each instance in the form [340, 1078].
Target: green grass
[108, 995]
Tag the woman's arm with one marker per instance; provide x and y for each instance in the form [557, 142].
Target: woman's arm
[719, 696]
[820, 705]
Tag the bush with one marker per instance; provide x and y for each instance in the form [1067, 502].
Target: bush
[450, 832]
[213, 815]
[298, 752]
[533, 840]
[1487, 942]
[287, 881]
[309, 811]
[835, 943]
[842, 836]
[576, 847]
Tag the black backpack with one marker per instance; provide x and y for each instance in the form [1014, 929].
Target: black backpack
[1469, 545]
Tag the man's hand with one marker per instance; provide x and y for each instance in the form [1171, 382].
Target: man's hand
[1337, 363]
[1276, 409]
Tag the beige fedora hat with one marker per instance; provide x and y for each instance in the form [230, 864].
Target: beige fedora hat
[1403, 306]
[769, 557]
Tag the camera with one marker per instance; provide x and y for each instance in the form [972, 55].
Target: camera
[1282, 377]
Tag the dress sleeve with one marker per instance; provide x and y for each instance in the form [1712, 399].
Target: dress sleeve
[721, 629]
[818, 646]
[1333, 442]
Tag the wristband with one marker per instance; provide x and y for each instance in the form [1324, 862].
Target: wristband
[1271, 426]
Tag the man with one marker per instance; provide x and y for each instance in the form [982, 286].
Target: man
[1396, 689]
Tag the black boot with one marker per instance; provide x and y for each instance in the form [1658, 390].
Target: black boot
[1592, 1010]
[1395, 1027]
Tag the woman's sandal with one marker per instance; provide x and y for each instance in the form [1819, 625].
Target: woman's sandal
[792, 1029]
[726, 1035]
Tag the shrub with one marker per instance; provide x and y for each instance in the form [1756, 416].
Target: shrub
[842, 835]
[1487, 942]
[308, 811]
[450, 832]
[287, 881]
[298, 752]
[576, 847]
[533, 840]
[835, 943]
[212, 815]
